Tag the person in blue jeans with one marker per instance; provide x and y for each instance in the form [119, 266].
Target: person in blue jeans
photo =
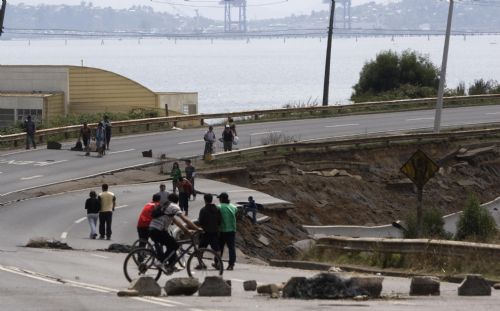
[227, 228]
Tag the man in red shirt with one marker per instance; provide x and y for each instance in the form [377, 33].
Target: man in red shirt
[145, 218]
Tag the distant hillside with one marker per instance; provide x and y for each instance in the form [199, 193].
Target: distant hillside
[394, 16]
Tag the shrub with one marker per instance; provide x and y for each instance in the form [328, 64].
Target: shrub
[483, 87]
[277, 138]
[476, 222]
[432, 225]
[458, 91]
[391, 75]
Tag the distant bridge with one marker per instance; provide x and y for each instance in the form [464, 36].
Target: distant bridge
[235, 14]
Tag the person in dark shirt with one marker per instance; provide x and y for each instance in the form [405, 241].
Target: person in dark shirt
[30, 129]
[190, 174]
[210, 220]
[227, 138]
[93, 206]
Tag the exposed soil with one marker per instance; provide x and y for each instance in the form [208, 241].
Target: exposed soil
[358, 186]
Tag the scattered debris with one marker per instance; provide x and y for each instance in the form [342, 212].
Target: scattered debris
[182, 286]
[47, 243]
[474, 285]
[424, 286]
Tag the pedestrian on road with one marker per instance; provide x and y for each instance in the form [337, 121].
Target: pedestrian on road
[176, 175]
[252, 208]
[107, 128]
[190, 174]
[185, 190]
[232, 125]
[209, 139]
[100, 139]
[145, 219]
[163, 194]
[85, 135]
[210, 220]
[108, 203]
[228, 228]
[93, 206]
[30, 129]
[227, 138]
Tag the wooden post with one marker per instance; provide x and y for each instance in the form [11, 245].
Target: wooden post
[166, 110]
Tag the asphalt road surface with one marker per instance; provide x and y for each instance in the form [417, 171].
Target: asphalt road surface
[27, 169]
[88, 279]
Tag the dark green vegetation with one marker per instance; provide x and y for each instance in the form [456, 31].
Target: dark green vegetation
[432, 225]
[476, 222]
[396, 76]
[392, 76]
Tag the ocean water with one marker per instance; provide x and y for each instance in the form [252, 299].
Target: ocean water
[234, 75]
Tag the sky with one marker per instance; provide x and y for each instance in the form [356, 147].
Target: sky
[256, 9]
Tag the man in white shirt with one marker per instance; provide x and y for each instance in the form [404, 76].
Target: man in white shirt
[108, 203]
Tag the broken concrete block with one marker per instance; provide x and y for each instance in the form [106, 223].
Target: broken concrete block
[128, 293]
[424, 286]
[146, 286]
[214, 286]
[371, 284]
[181, 286]
[250, 285]
[474, 285]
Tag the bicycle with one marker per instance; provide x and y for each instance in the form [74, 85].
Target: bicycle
[202, 262]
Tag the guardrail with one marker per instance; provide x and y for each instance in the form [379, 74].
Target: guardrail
[367, 107]
[326, 144]
[410, 246]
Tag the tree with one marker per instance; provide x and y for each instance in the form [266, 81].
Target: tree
[476, 222]
[394, 76]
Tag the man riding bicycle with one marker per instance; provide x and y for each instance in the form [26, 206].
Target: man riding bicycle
[163, 216]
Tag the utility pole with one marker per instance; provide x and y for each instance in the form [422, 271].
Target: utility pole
[326, 85]
[442, 76]
[2, 15]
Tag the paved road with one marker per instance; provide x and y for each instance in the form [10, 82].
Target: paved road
[27, 169]
[88, 279]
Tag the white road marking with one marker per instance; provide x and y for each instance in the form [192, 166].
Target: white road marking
[97, 288]
[80, 220]
[342, 125]
[120, 151]
[47, 163]
[492, 113]
[177, 128]
[64, 235]
[31, 177]
[237, 280]
[420, 119]
[121, 206]
[190, 142]
[264, 133]
[99, 256]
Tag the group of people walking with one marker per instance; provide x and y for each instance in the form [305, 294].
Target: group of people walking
[183, 185]
[229, 138]
[217, 223]
[102, 137]
[100, 208]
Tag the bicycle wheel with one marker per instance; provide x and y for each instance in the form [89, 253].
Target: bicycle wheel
[204, 262]
[147, 244]
[140, 262]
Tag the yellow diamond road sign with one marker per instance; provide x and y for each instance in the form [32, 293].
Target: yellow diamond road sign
[419, 168]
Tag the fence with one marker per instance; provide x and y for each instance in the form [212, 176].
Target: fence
[410, 246]
[120, 126]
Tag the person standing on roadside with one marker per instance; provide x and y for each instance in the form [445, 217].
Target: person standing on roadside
[176, 175]
[100, 139]
[145, 219]
[85, 135]
[163, 194]
[227, 138]
[107, 128]
[190, 174]
[93, 206]
[108, 203]
[227, 228]
[210, 220]
[209, 139]
[185, 189]
[30, 129]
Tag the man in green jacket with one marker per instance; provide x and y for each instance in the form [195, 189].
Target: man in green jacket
[228, 228]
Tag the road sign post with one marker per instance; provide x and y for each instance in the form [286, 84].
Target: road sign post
[419, 168]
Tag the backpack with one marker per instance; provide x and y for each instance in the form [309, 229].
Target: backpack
[157, 211]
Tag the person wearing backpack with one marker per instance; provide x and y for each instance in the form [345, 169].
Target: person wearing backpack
[162, 217]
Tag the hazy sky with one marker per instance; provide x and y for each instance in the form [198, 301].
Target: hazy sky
[257, 9]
